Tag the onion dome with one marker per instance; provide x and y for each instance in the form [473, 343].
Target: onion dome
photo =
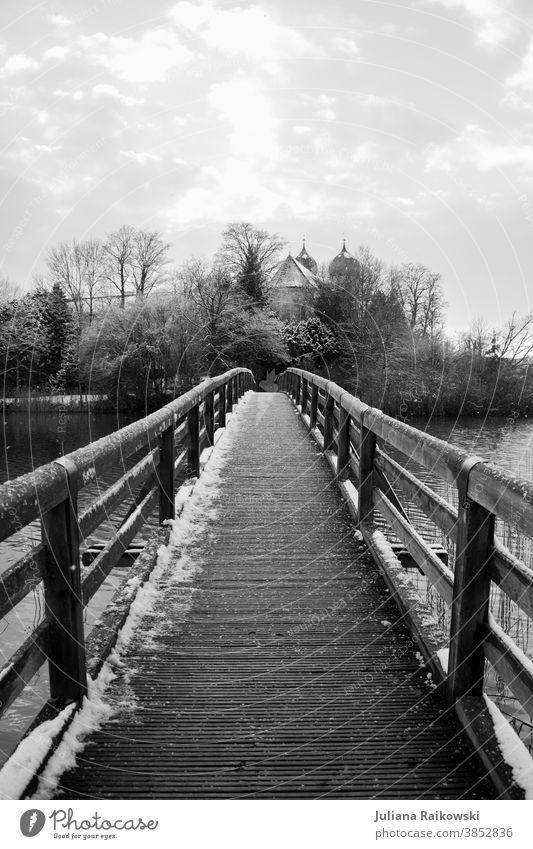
[306, 260]
[344, 264]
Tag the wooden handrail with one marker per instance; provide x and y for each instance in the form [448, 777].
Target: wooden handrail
[485, 492]
[50, 493]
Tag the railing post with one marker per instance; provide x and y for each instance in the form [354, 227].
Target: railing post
[63, 595]
[329, 405]
[166, 474]
[193, 442]
[230, 395]
[471, 592]
[314, 406]
[343, 443]
[366, 473]
[222, 405]
[294, 384]
[210, 416]
[303, 396]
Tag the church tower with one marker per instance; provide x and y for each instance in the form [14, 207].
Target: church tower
[345, 267]
[307, 260]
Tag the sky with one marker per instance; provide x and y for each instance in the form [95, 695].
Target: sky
[404, 125]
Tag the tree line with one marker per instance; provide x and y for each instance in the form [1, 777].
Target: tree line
[112, 316]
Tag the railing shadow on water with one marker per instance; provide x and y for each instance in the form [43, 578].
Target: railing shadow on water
[169, 443]
[461, 641]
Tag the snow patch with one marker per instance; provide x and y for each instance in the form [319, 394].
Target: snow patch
[20, 768]
[443, 655]
[513, 750]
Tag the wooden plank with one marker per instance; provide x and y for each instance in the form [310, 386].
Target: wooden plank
[62, 595]
[22, 577]
[105, 562]
[438, 575]
[100, 510]
[23, 664]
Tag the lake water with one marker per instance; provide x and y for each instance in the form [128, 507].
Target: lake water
[28, 441]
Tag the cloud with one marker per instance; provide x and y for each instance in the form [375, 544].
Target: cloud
[345, 45]
[17, 63]
[523, 78]
[246, 32]
[474, 147]
[140, 158]
[147, 59]
[72, 95]
[326, 115]
[493, 18]
[111, 91]
[60, 21]
[253, 124]
[56, 52]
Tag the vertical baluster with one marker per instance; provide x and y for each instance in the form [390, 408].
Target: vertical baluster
[329, 405]
[222, 405]
[210, 417]
[193, 442]
[471, 592]
[166, 474]
[366, 469]
[343, 443]
[314, 406]
[303, 396]
[62, 593]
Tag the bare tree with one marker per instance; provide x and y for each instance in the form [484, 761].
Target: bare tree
[93, 270]
[149, 258]
[214, 298]
[514, 342]
[78, 267]
[250, 256]
[420, 293]
[119, 250]
[65, 267]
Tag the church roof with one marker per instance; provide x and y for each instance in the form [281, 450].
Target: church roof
[293, 274]
[344, 263]
[307, 260]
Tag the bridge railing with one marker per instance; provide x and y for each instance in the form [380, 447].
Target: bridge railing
[356, 439]
[50, 493]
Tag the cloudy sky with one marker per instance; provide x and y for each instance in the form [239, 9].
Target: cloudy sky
[407, 125]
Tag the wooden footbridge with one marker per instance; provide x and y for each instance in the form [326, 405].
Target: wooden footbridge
[269, 642]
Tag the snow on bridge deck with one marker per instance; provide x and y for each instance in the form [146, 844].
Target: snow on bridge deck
[268, 660]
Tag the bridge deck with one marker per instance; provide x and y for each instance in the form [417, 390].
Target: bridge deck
[273, 670]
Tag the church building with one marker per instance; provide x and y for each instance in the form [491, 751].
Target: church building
[294, 285]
